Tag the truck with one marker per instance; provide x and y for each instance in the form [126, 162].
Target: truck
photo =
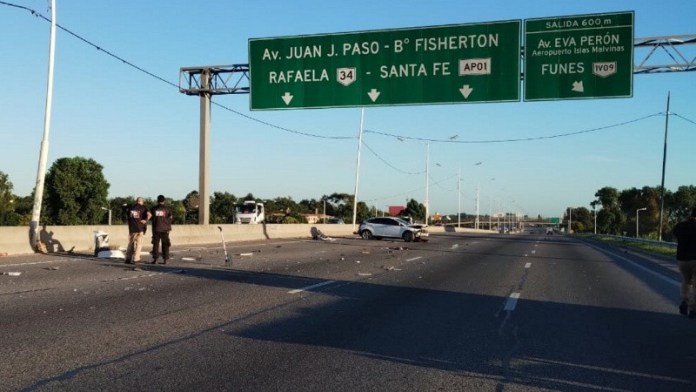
[249, 212]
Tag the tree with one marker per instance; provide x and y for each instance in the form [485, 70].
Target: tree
[75, 192]
[363, 212]
[581, 219]
[222, 207]
[119, 210]
[633, 199]
[191, 208]
[8, 216]
[681, 202]
[415, 210]
[610, 219]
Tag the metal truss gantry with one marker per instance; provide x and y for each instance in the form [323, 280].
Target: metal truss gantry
[676, 53]
[659, 55]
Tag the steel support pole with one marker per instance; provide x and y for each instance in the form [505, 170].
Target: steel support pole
[43, 152]
[203, 172]
[357, 170]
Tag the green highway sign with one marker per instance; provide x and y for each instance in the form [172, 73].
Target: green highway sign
[580, 56]
[438, 64]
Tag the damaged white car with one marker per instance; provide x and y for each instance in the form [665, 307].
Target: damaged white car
[388, 227]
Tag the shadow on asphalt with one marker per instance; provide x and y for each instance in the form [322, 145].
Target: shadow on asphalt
[544, 345]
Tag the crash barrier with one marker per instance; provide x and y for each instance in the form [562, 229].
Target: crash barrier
[85, 239]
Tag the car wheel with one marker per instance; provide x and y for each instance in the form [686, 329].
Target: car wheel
[366, 235]
[408, 236]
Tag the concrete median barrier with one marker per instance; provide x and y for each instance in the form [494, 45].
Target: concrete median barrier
[15, 240]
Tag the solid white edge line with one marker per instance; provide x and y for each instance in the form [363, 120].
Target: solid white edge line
[511, 302]
[633, 263]
[311, 287]
[414, 258]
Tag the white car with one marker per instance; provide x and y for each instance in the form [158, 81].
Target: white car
[388, 227]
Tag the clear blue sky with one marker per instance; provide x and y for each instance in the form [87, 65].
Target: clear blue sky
[145, 133]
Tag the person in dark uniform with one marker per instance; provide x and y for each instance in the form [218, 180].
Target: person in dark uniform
[138, 215]
[685, 234]
[161, 226]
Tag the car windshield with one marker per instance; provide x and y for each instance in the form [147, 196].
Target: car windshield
[403, 222]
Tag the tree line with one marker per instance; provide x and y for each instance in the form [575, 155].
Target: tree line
[75, 193]
[618, 211]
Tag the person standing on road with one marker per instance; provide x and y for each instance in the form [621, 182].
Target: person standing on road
[138, 215]
[161, 226]
[685, 234]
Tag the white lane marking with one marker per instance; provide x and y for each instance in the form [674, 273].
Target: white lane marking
[511, 302]
[34, 263]
[528, 265]
[314, 286]
[455, 246]
[414, 258]
[648, 270]
[533, 251]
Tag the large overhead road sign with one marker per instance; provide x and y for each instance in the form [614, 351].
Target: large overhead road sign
[580, 56]
[439, 64]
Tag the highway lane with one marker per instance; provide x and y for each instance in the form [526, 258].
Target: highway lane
[460, 312]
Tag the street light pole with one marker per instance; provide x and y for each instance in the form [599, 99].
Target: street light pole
[109, 211]
[637, 211]
[594, 215]
[427, 183]
[459, 198]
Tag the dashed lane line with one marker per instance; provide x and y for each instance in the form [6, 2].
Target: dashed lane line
[414, 258]
[314, 286]
[511, 302]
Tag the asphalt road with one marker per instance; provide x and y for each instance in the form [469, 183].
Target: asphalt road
[458, 313]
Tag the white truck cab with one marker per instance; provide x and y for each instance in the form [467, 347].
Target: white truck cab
[249, 212]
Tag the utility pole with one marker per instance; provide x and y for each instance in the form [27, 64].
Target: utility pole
[664, 164]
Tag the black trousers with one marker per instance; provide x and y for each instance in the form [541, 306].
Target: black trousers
[162, 236]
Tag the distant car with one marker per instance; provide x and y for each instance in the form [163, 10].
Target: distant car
[549, 231]
[388, 227]
[337, 221]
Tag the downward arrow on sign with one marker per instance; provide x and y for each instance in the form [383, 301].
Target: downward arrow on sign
[374, 94]
[287, 98]
[466, 91]
[578, 87]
